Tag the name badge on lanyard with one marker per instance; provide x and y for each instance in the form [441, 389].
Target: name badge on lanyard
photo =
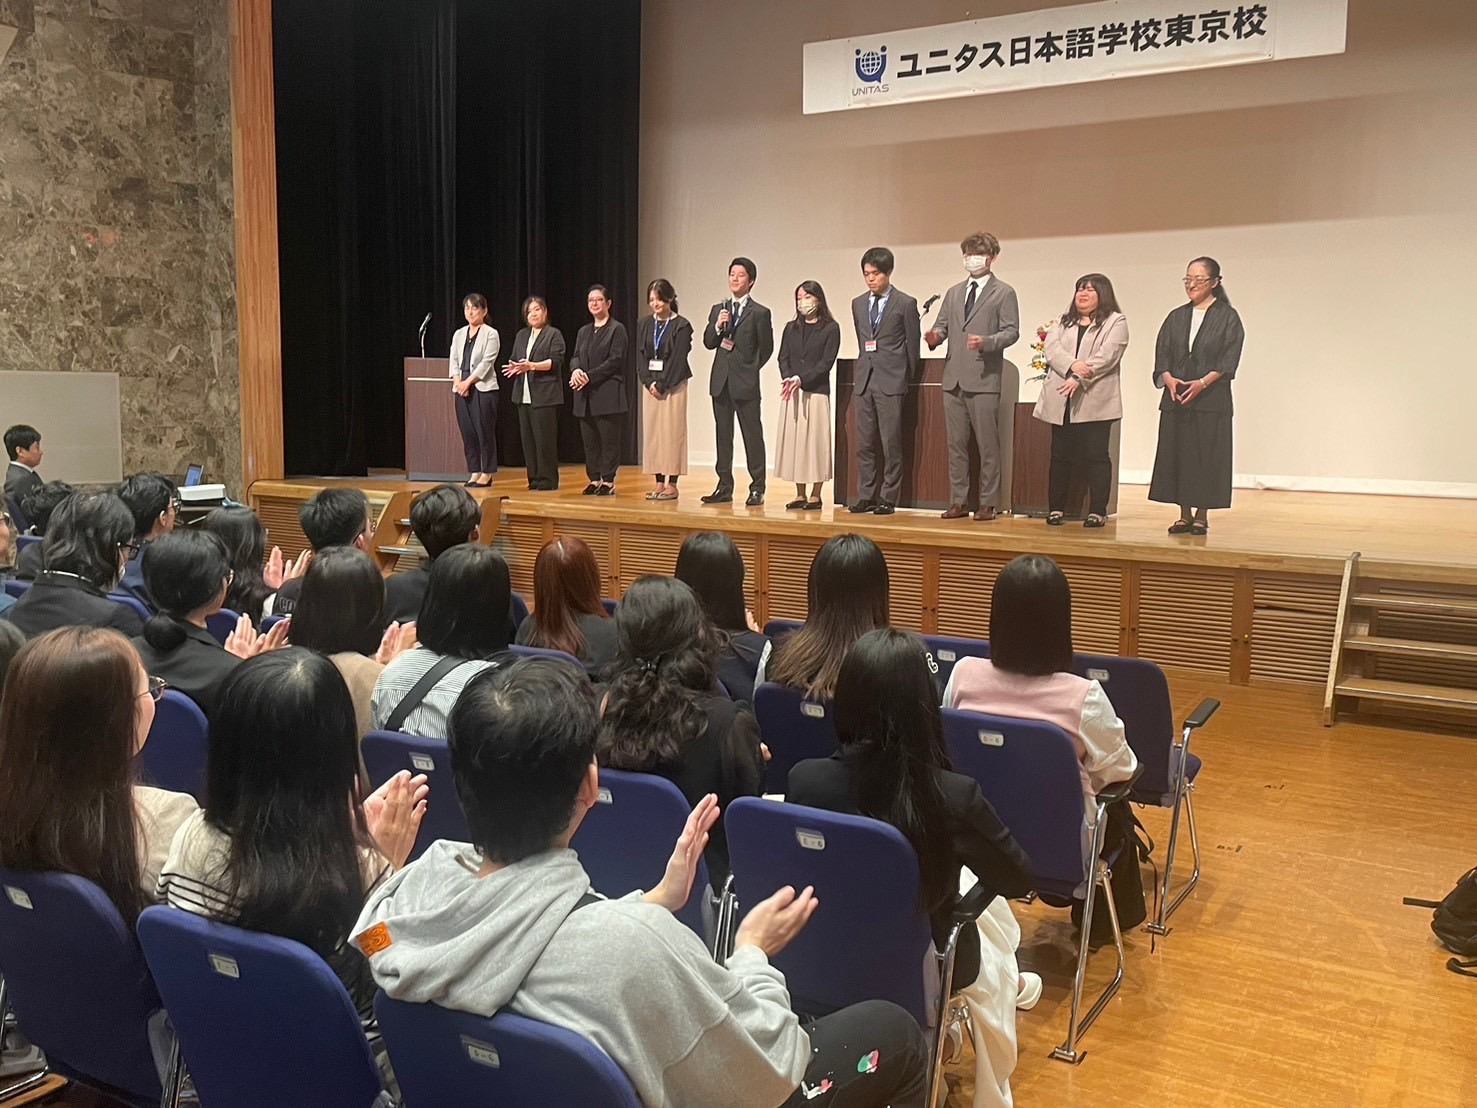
[727, 344]
[870, 346]
[655, 365]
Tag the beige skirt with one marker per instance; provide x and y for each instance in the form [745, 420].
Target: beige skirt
[805, 453]
[664, 432]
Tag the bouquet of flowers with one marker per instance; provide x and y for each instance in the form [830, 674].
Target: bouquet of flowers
[1038, 353]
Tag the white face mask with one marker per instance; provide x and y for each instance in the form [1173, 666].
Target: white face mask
[808, 305]
[976, 265]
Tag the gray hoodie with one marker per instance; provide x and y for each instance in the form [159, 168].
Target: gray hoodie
[624, 974]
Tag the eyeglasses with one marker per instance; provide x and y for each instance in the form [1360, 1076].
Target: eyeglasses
[156, 688]
[132, 547]
[174, 504]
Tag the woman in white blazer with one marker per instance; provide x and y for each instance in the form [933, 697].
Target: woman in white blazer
[474, 381]
[1082, 396]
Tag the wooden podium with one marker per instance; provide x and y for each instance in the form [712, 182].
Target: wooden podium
[433, 444]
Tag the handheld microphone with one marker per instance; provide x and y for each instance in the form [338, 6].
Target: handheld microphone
[726, 305]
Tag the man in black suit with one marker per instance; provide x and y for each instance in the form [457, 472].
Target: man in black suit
[741, 335]
[888, 355]
[23, 444]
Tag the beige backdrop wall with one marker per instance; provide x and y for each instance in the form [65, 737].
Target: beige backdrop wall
[1338, 194]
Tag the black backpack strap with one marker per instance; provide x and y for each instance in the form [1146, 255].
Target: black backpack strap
[591, 897]
[1456, 965]
[411, 700]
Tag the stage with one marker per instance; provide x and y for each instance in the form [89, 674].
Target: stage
[1255, 600]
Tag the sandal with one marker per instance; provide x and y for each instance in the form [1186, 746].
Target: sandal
[1199, 527]
[1095, 520]
[666, 494]
[1180, 527]
[1056, 519]
[654, 493]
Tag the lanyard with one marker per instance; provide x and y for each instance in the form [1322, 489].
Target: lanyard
[657, 334]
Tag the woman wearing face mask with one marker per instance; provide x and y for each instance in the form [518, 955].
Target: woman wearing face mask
[808, 350]
[1082, 397]
[664, 340]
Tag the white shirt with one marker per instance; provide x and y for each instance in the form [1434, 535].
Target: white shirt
[1197, 317]
[527, 397]
[979, 284]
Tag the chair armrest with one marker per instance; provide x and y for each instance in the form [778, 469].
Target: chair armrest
[1119, 790]
[968, 907]
[1201, 715]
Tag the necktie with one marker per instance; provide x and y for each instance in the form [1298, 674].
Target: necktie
[969, 300]
[876, 314]
[738, 310]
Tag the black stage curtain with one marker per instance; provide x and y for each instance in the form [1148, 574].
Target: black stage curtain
[432, 148]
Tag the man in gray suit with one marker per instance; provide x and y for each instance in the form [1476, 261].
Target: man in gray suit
[888, 355]
[982, 316]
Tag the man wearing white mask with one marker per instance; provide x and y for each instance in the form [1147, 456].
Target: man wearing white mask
[982, 315]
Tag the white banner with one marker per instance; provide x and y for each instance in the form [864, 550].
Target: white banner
[1058, 46]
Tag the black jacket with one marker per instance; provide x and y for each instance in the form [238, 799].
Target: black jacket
[20, 481]
[737, 370]
[196, 667]
[675, 347]
[62, 600]
[1217, 349]
[546, 389]
[28, 561]
[980, 840]
[808, 351]
[604, 354]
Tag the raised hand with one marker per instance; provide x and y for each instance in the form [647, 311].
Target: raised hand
[272, 575]
[394, 812]
[676, 883]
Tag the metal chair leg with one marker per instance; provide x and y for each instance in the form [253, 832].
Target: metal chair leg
[936, 1083]
[1166, 905]
[1068, 1051]
[174, 1078]
[28, 1081]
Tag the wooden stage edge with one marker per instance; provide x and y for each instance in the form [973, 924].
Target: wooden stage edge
[1254, 601]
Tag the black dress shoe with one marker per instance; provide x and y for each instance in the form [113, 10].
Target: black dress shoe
[755, 500]
[862, 506]
[591, 489]
[720, 495]
[884, 508]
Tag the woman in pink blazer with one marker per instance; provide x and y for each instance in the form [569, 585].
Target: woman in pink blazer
[1082, 396]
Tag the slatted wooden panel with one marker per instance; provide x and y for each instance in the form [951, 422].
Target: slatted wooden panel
[905, 586]
[965, 582]
[1292, 626]
[1185, 617]
[279, 515]
[597, 535]
[519, 539]
[647, 550]
[1097, 605]
[788, 575]
[748, 548]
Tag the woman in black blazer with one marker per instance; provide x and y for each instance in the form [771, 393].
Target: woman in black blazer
[892, 765]
[536, 370]
[597, 374]
[664, 341]
[88, 541]
[662, 714]
[1195, 360]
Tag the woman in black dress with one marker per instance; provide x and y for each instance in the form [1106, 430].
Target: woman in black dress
[597, 375]
[1195, 359]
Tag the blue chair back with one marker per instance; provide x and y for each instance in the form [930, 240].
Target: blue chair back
[793, 728]
[132, 602]
[867, 940]
[1140, 695]
[1028, 772]
[175, 753]
[776, 629]
[268, 622]
[610, 605]
[543, 652]
[947, 650]
[386, 753]
[16, 588]
[260, 1019]
[23, 541]
[517, 610]
[13, 506]
[220, 624]
[78, 982]
[446, 1057]
[627, 837]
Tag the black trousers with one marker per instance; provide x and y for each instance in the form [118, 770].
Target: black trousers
[602, 436]
[539, 429]
[1081, 449]
[841, 1049]
[751, 425]
[476, 417]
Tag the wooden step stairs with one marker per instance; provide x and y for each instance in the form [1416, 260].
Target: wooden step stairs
[1404, 648]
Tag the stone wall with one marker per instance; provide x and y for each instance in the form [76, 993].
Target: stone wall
[116, 239]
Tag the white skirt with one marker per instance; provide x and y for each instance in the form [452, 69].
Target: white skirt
[805, 454]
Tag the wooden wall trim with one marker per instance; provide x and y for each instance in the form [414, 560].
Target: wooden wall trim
[258, 287]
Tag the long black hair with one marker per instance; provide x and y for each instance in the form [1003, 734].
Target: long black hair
[465, 611]
[710, 564]
[665, 661]
[340, 608]
[246, 546]
[848, 596]
[1031, 618]
[887, 709]
[1219, 291]
[185, 572]
[85, 535]
[283, 781]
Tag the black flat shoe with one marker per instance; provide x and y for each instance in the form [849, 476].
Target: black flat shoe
[1095, 520]
[481, 485]
[469, 484]
[813, 506]
[591, 489]
[796, 505]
